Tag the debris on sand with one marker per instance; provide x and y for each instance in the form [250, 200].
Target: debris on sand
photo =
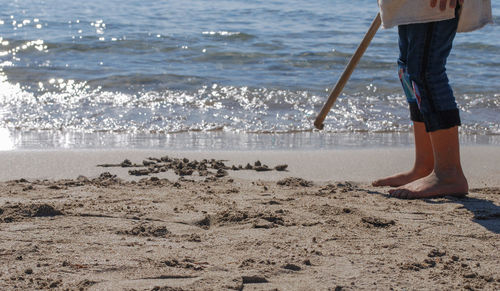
[186, 263]
[204, 223]
[147, 231]
[20, 211]
[263, 168]
[221, 173]
[44, 210]
[254, 280]
[142, 172]
[126, 163]
[185, 167]
[148, 163]
[109, 165]
[416, 266]
[378, 222]
[295, 182]
[436, 253]
[281, 168]
[292, 267]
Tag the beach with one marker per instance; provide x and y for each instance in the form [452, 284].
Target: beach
[170, 145]
[316, 224]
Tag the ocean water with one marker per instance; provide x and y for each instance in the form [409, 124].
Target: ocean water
[217, 74]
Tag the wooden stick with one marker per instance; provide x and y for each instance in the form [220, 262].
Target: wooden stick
[334, 94]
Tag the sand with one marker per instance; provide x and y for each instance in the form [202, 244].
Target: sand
[316, 224]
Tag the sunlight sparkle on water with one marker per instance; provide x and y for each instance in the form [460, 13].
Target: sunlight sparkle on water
[6, 142]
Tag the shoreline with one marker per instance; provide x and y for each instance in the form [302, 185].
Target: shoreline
[218, 140]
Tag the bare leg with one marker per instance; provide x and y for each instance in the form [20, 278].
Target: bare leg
[424, 160]
[447, 178]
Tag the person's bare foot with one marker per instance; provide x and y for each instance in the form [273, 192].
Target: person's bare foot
[402, 179]
[433, 186]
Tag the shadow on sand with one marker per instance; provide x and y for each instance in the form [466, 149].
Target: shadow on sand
[486, 213]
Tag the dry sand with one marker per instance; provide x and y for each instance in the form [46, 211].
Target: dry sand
[306, 228]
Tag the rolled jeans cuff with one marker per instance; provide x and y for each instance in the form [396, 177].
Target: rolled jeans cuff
[415, 114]
[441, 120]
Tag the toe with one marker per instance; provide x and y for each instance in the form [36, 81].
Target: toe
[405, 194]
[400, 193]
[413, 195]
[395, 192]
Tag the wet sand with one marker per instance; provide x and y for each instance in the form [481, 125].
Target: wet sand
[180, 222]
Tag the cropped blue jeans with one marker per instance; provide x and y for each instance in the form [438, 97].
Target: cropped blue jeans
[424, 50]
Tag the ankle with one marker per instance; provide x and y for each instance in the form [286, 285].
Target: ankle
[450, 174]
[422, 170]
